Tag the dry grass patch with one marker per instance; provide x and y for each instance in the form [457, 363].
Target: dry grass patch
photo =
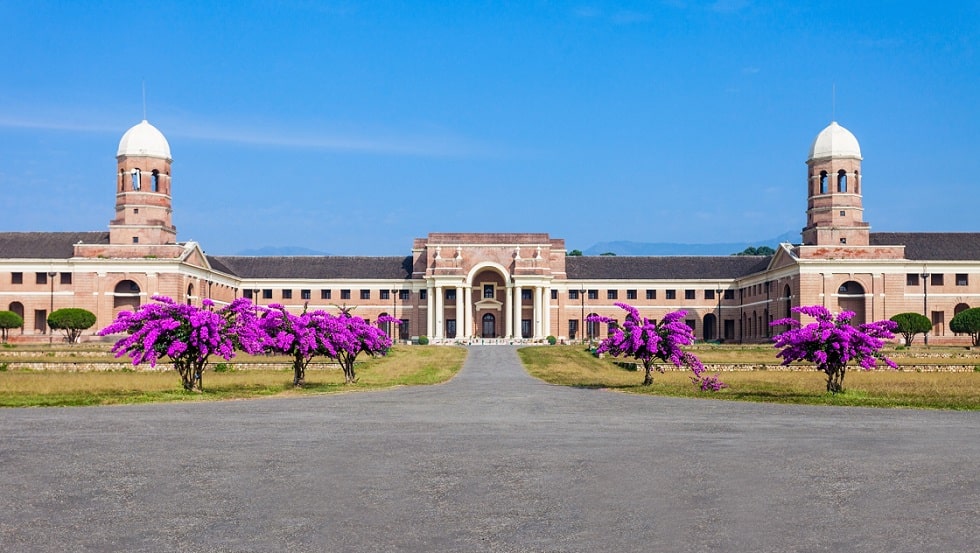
[573, 366]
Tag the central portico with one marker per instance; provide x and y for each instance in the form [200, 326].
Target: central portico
[489, 285]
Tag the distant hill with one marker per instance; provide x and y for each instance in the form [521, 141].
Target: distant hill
[280, 251]
[673, 248]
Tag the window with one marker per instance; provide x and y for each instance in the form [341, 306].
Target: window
[287, 294]
[40, 278]
[709, 294]
[962, 279]
[593, 294]
[525, 294]
[450, 294]
[385, 295]
[345, 294]
[489, 292]
[612, 294]
[324, 294]
[843, 240]
[267, 294]
[937, 279]
[911, 279]
[525, 328]
[304, 294]
[573, 294]
[823, 182]
[423, 294]
[403, 333]
[403, 295]
[135, 173]
[155, 181]
[842, 213]
[365, 294]
[691, 323]
[450, 328]
[554, 294]
[631, 294]
[651, 294]
[572, 328]
[247, 294]
[671, 294]
[689, 294]
[729, 294]
[17, 278]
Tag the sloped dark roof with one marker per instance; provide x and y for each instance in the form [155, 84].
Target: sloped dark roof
[938, 246]
[664, 267]
[322, 267]
[46, 245]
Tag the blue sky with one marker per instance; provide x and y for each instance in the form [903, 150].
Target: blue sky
[353, 127]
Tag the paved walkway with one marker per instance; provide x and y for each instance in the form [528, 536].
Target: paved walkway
[491, 461]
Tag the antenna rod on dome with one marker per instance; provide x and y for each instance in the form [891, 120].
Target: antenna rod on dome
[833, 102]
[144, 99]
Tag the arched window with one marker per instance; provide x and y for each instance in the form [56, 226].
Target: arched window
[190, 293]
[489, 326]
[122, 180]
[155, 181]
[788, 299]
[841, 181]
[960, 307]
[823, 182]
[857, 183]
[136, 178]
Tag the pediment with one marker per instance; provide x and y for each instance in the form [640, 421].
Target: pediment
[487, 304]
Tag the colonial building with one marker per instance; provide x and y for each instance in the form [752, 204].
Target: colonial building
[500, 287]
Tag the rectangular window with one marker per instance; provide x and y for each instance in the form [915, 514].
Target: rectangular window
[912, 279]
[403, 333]
[709, 294]
[404, 295]
[287, 294]
[304, 294]
[450, 328]
[612, 294]
[525, 294]
[345, 294]
[691, 323]
[489, 292]
[17, 278]
[450, 294]
[136, 240]
[40, 278]
[573, 294]
[962, 279]
[671, 294]
[937, 279]
[365, 294]
[554, 294]
[385, 294]
[324, 294]
[66, 278]
[267, 294]
[247, 294]
[423, 294]
[631, 294]
[729, 294]
[525, 328]
[40, 321]
[593, 294]
[651, 294]
[689, 294]
[572, 328]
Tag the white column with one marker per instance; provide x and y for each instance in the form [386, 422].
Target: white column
[468, 311]
[430, 311]
[517, 312]
[508, 313]
[538, 321]
[460, 320]
[546, 311]
[439, 325]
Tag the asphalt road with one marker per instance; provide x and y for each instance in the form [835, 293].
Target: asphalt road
[491, 461]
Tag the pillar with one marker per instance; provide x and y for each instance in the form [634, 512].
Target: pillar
[439, 315]
[468, 311]
[460, 319]
[517, 312]
[538, 321]
[509, 315]
[546, 312]
[430, 311]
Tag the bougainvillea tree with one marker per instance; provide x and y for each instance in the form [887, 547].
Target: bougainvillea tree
[347, 336]
[186, 334]
[832, 342]
[649, 342]
[301, 337]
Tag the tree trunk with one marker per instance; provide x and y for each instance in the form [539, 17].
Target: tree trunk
[299, 371]
[835, 378]
[647, 374]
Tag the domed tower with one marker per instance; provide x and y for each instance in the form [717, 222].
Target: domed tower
[143, 203]
[834, 215]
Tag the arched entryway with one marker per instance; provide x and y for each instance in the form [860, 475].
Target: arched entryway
[710, 327]
[18, 308]
[126, 297]
[489, 326]
[850, 297]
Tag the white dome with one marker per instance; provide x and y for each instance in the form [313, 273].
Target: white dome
[835, 141]
[144, 140]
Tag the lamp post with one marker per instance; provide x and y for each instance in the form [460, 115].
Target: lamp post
[391, 325]
[718, 293]
[582, 297]
[255, 295]
[925, 302]
[51, 275]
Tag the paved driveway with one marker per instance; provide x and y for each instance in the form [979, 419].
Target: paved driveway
[492, 461]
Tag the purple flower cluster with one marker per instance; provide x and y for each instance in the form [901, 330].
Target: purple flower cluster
[648, 341]
[832, 342]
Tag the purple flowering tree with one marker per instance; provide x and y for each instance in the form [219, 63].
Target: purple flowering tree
[301, 337]
[348, 336]
[832, 343]
[186, 334]
[649, 342]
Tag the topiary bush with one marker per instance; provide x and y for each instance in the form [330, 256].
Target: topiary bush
[552, 340]
[73, 321]
[967, 322]
[423, 340]
[8, 320]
